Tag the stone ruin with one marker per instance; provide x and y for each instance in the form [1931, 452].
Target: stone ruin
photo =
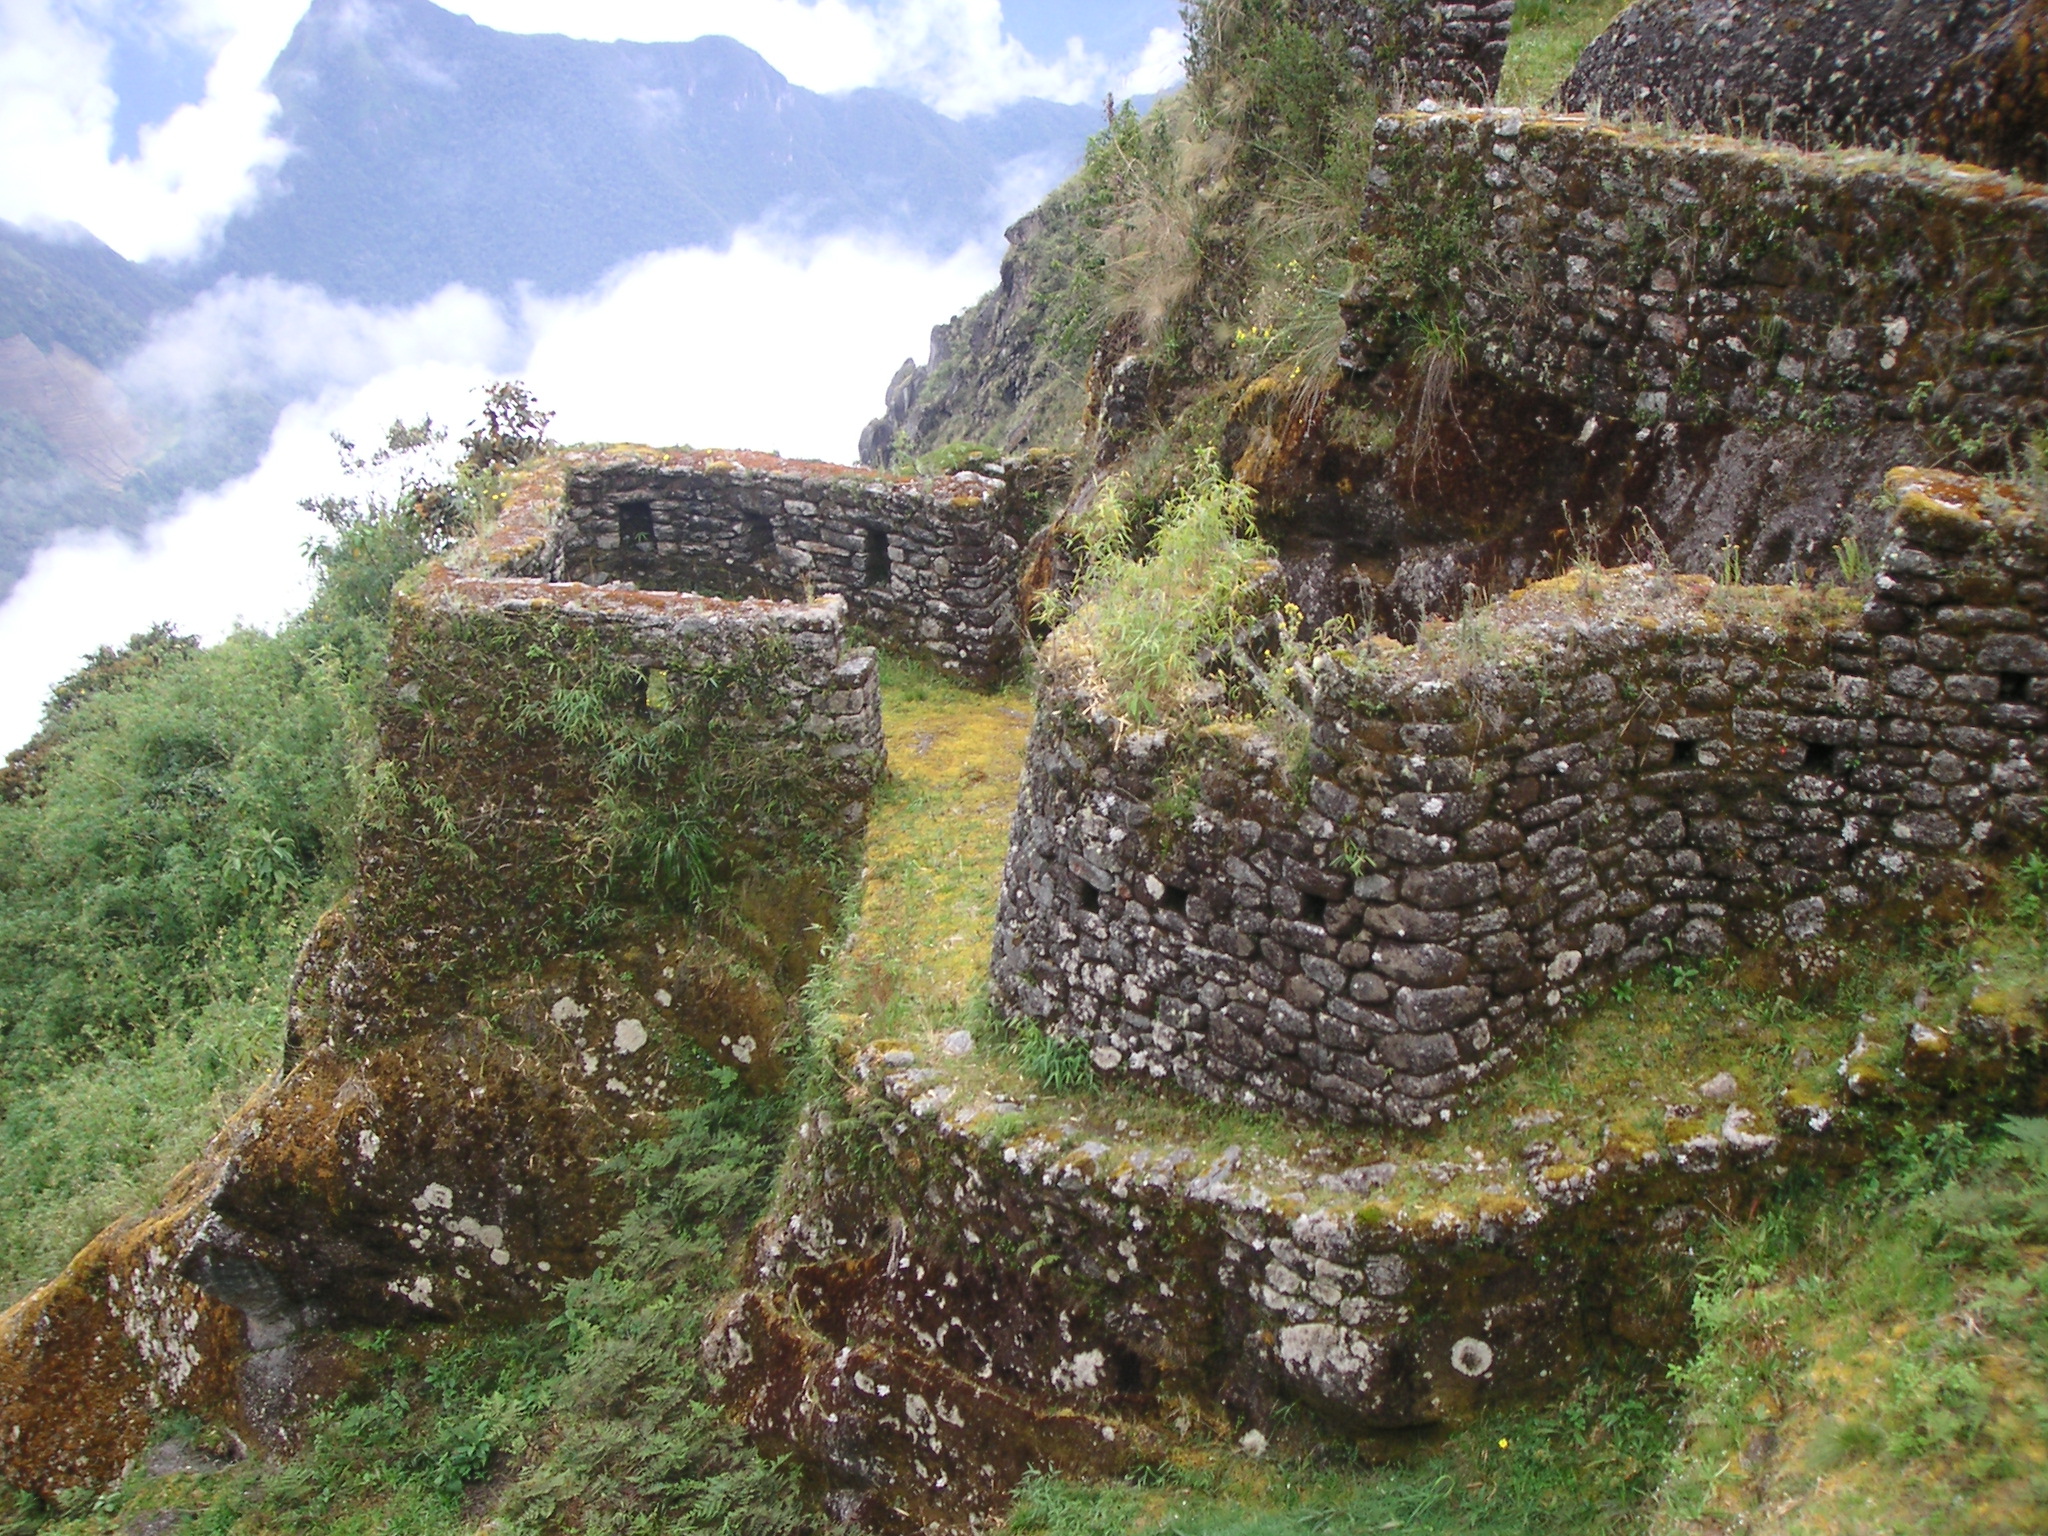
[1967, 79]
[464, 1048]
[929, 564]
[1717, 346]
[1655, 768]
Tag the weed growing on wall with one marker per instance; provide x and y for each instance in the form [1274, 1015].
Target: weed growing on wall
[1149, 622]
[669, 785]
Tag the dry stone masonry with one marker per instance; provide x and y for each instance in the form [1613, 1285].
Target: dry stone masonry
[1449, 52]
[929, 564]
[1654, 279]
[498, 1007]
[1669, 770]
[1961, 78]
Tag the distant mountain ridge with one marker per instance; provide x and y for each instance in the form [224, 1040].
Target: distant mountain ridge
[429, 150]
[74, 292]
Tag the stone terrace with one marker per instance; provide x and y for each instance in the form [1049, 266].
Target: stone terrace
[1624, 768]
[1657, 277]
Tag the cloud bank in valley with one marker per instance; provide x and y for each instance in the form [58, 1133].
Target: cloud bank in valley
[768, 344]
[190, 173]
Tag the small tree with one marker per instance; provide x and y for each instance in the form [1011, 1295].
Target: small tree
[514, 428]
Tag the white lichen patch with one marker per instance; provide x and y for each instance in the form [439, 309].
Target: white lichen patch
[629, 1036]
[1471, 1357]
[435, 1197]
[1079, 1374]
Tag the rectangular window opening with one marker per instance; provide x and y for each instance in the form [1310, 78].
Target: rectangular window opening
[757, 537]
[2012, 686]
[636, 526]
[1175, 900]
[1685, 754]
[875, 555]
[1820, 758]
[1314, 909]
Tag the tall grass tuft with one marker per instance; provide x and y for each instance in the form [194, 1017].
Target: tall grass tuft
[1145, 621]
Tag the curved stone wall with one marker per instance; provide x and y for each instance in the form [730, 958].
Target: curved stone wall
[1653, 277]
[1617, 770]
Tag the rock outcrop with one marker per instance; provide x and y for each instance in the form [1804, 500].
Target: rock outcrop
[1961, 78]
[993, 378]
[574, 784]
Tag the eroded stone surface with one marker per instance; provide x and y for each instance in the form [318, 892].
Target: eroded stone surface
[938, 1302]
[431, 1151]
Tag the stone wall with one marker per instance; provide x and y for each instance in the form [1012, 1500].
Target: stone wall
[521, 976]
[1962, 78]
[1654, 278]
[1717, 344]
[929, 564]
[946, 1299]
[1449, 52]
[1615, 771]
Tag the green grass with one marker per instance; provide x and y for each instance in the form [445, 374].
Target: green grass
[164, 844]
[1587, 1466]
[1548, 37]
[1141, 623]
[1879, 1361]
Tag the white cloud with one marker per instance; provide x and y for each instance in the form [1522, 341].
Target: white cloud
[955, 55]
[264, 335]
[755, 347]
[1161, 66]
[765, 345]
[192, 172]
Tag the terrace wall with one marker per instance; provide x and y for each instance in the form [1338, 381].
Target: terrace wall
[1668, 770]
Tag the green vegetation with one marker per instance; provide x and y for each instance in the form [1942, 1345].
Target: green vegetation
[1147, 623]
[176, 826]
[1586, 1466]
[1879, 1361]
[1548, 37]
[1880, 1340]
[593, 1421]
[165, 842]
